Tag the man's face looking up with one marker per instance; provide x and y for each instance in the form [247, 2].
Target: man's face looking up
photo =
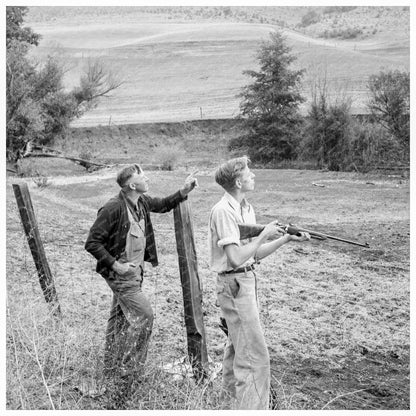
[139, 182]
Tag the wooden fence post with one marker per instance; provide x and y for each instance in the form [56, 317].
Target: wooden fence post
[27, 215]
[191, 290]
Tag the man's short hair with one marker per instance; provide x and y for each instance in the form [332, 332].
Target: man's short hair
[230, 171]
[126, 173]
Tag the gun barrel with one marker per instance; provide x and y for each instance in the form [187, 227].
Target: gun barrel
[253, 230]
[332, 237]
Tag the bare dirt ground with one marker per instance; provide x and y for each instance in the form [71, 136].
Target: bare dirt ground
[335, 316]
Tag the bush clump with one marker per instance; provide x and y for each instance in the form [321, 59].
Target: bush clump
[338, 9]
[310, 18]
[348, 33]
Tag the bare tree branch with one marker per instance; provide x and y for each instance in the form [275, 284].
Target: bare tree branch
[96, 83]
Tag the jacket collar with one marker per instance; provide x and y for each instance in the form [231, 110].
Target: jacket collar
[122, 196]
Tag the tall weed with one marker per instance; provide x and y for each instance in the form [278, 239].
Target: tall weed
[57, 365]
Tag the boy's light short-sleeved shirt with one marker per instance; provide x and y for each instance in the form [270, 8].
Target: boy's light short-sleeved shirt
[223, 230]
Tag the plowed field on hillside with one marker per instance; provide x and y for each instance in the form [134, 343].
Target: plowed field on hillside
[175, 70]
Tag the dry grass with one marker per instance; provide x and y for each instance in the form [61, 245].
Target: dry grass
[336, 317]
[56, 365]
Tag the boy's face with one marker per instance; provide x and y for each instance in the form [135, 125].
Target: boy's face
[247, 180]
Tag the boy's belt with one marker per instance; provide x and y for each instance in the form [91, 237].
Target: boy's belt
[240, 270]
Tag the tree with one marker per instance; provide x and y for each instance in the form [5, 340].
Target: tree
[14, 29]
[389, 103]
[270, 104]
[38, 108]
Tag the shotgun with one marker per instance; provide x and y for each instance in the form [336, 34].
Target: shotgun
[253, 230]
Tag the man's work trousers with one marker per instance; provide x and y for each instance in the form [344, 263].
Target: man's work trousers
[246, 364]
[131, 316]
[129, 326]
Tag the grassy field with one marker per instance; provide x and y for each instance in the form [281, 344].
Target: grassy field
[177, 69]
[335, 316]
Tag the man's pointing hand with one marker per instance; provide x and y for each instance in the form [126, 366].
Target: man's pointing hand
[190, 183]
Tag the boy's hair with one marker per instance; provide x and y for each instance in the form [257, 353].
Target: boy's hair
[126, 173]
[229, 172]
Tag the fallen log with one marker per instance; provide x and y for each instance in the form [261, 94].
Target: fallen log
[83, 162]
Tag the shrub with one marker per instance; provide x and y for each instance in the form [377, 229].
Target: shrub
[41, 181]
[389, 104]
[338, 9]
[310, 18]
[337, 141]
[371, 146]
[326, 132]
[85, 154]
[28, 167]
[169, 157]
[348, 33]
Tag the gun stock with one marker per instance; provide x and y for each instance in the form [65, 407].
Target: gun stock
[250, 230]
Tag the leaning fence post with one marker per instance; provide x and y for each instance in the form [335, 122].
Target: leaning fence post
[30, 226]
[191, 290]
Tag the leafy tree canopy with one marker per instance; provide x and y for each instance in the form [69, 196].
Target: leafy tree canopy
[38, 108]
[14, 29]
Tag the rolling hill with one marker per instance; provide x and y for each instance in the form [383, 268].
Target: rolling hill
[186, 63]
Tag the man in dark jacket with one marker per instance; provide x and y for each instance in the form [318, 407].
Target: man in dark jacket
[122, 239]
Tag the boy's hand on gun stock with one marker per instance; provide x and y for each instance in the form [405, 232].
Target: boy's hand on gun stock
[273, 230]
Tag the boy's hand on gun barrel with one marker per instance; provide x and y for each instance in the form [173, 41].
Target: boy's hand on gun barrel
[302, 237]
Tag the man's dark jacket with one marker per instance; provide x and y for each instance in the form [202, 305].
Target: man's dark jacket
[107, 237]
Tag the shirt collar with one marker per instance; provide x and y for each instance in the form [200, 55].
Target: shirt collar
[234, 203]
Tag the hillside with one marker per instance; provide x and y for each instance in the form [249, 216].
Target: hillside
[187, 63]
[370, 19]
[188, 145]
[197, 143]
